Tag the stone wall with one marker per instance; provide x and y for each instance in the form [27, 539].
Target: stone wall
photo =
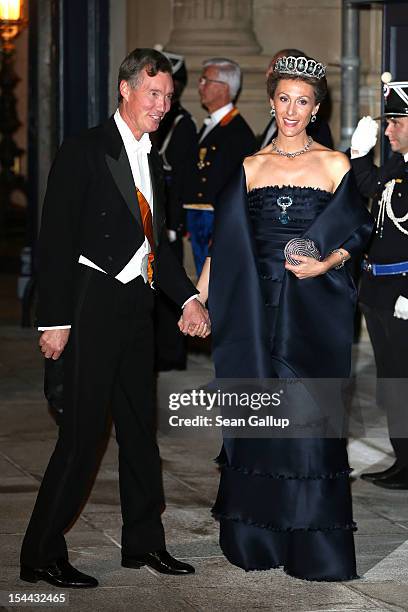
[312, 25]
[199, 29]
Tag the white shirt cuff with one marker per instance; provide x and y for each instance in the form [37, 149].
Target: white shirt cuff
[354, 154]
[193, 297]
[54, 327]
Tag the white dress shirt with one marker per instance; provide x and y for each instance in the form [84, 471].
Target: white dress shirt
[136, 151]
[212, 120]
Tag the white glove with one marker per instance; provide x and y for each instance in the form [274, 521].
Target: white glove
[364, 137]
[171, 235]
[401, 308]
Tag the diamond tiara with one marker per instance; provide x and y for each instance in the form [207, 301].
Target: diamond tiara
[300, 66]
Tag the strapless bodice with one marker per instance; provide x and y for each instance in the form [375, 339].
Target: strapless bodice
[277, 215]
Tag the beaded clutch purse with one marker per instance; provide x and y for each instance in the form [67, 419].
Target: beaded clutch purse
[300, 246]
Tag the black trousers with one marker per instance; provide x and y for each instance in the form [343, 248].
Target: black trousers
[108, 371]
[389, 337]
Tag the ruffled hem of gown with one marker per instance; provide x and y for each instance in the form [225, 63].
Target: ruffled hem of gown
[302, 523]
[328, 579]
[253, 472]
[345, 578]
[270, 527]
[325, 555]
[288, 573]
[310, 502]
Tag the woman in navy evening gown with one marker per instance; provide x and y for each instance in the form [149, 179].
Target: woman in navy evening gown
[286, 502]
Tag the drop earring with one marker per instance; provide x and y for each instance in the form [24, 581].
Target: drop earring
[313, 118]
[272, 112]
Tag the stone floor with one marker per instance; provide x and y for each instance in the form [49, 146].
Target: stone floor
[27, 436]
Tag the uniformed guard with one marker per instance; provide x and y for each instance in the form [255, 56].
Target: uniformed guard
[384, 283]
[224, 140]
[176, 140]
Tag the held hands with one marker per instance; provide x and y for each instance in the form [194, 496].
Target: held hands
[195, 320]
[308, 267]
[52, 342]
[364, 137]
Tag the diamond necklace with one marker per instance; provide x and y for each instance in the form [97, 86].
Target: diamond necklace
[296, 153]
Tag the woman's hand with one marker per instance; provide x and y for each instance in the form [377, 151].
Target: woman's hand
[308, 267]
[195, 320]
[201, 330]
[200, 326]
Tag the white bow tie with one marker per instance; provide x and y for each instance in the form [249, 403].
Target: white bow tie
[143, 145]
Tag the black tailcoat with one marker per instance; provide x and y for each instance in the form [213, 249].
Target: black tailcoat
[91, 209]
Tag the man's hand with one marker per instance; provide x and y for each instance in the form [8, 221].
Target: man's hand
[195, 320]
[364, 137]
[52, 342]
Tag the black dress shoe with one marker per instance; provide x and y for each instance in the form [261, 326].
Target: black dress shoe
[370, 476]
[59, 574]
[397, 481]
[161, 561]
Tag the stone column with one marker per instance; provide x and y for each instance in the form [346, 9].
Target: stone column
[213, 27]
[221, 28]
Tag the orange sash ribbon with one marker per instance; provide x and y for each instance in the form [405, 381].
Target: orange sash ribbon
[147, 221]
[229, 116]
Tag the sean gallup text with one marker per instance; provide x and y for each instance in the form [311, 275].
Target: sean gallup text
[220, 421]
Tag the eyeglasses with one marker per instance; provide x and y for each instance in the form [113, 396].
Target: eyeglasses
[204, 80]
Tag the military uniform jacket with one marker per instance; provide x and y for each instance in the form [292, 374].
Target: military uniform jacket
[177, 143]
[219, 156]
[389, 245]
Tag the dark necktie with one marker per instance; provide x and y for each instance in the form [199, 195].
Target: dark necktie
[203, 127]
